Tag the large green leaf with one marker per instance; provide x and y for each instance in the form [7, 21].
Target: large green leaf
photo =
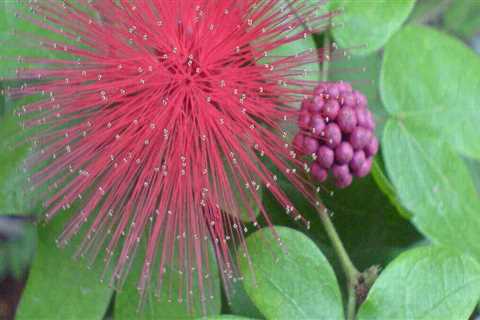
[173, 302]
[436, 88]
[425, 283]
[366, 25]
[59, 287]
[434, 184]
[297, 282]
[432, 98]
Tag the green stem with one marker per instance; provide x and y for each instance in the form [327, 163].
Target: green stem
[351, 302]
[349, 269]
[326, 57]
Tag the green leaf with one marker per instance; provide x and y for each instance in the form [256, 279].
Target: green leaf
[425, 283]
[462, 18]
[168, 305]
[433, 183]
[430, 81]
[241, 304]
[385, 185]
[366, 25]
[291, 283]
[428, 117]
[312, 71]
[59, 287]
[14, 43]
[14, 199]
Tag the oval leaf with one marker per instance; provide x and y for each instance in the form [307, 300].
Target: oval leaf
[366, 25]
[59, 287]
[294, 283]
[434, 184]
[425, 283]
[430, 81]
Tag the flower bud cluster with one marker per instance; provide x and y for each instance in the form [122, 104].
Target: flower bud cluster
[338, 130]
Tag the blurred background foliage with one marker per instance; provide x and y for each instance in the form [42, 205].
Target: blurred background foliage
[420, 208]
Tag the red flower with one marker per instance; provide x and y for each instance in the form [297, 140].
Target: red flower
[162, 123]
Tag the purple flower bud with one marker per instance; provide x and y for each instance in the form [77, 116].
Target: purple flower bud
[344, 181]
[348, 99]
[317, 104]
[360, 137]
[310, 145]
[372, 148]
[362, 117]
[321, 89]
[333, 135]
[319, 173]
[337, 125]
[334, 90]
[317, 125]
[343, 177]
[343, 153]
[344, 86]
[361, 99]
[357, 160]
[364, 169]
[339, 170]
[346, 119]
[330, 109]
[325, 157]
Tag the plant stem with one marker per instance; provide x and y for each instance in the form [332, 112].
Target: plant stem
[326, 57]
[351, 302]
[345, 261]
[349, 269]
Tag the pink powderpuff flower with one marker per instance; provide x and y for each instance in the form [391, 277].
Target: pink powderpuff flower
[160, 125]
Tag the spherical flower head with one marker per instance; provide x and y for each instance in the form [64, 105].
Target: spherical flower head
[160, 124]
[337, 128]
